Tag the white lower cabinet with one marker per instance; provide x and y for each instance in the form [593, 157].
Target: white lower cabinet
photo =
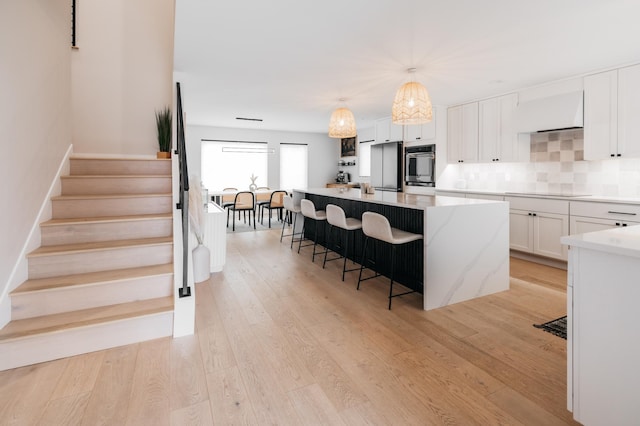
[591, 217]
[536, 226]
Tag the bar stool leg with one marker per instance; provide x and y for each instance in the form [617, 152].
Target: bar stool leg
[328, 242]
[315, 242]
[293, 231]
[364, 253]
[301, 236]
[393, 259]
[346, 251]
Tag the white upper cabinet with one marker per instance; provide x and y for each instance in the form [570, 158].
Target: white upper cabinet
[628, 109]
[498, 139]
[422, 132]
[601, 115]
[462, 133]
[386, 131]
[367, 134]
[611, 105]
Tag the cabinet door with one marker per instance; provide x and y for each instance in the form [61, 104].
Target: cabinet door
[454, 134]
[548, 228]
[469, 147]
[582, 225]
[520, 231]
[383, 130]
[489, 130]
[395, 132]
[601, 115]
[511, 146]
[628, 108]
[412, 133]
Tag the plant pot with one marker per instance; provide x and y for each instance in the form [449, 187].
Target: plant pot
[162, 154]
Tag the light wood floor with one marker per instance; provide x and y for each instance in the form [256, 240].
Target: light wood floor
[279, 340]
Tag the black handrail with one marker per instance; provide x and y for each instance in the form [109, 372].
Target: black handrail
[183, 204]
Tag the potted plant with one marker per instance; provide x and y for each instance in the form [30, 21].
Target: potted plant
[163, 123]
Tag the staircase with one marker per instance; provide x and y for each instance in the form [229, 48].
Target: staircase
[103, 276]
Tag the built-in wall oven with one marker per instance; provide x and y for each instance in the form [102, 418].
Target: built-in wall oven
[420, 165]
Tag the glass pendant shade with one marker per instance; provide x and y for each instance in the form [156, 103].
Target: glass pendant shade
[411, 105]
[342, 124]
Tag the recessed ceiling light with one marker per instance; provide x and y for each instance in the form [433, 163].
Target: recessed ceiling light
[248, 119]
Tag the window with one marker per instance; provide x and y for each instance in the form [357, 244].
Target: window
[293, 166]
[230, 164]
[365, 158]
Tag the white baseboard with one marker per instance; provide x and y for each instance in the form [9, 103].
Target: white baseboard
[19, 273]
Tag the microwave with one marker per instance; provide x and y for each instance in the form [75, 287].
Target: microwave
[420, 165]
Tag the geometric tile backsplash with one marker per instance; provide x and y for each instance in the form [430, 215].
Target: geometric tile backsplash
[556, 166]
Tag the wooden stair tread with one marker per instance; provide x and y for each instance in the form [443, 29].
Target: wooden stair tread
[115, 176]
[96, 246]
[116, 158]
[107, 196]
[86, 317]
[104, 219]
[113, 275]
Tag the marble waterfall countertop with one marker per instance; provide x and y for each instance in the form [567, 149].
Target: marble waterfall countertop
[466, 241]
[398, 199]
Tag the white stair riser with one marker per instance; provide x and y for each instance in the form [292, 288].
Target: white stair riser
[116, 185]
[99, 260]
[63, 209]
[88, 166]
[49, 346]
[105, 231]
[72, 298]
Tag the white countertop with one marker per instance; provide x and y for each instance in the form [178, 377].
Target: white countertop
[399, 199]
[624, 241]
[566, 197]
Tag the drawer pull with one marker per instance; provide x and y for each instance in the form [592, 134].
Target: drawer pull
[613, 212]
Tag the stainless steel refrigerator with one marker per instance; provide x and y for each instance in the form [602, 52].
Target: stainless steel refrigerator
[386, 166]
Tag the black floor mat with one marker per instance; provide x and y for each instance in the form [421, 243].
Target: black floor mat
[557, 326]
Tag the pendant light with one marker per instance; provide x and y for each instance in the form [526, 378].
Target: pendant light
[342, 123]
[411, 104]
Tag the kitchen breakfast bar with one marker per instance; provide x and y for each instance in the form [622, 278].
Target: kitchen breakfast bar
[464, 253]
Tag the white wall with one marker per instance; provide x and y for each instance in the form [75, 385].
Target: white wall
[35, 121]
[122, 73]
[324, 152]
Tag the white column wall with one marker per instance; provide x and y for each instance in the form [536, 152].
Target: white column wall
[35, 121]
[122, 73]
[324, 152]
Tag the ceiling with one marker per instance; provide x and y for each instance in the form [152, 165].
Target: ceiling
[289, 62]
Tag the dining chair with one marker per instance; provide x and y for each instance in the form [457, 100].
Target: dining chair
[244, 201]
[228, 199]
[276, 202]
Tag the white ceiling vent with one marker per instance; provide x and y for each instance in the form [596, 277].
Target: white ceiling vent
[564, 111]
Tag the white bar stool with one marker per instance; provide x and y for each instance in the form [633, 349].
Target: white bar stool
[337, 218]
[308, 210]
[377, 226]
[292, 210]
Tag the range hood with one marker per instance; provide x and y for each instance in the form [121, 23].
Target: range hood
[551, 113]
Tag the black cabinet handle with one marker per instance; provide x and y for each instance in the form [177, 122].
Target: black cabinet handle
[534, 214]
[613, 155]
[418, 138]
[529, 213]
[624, 224]
[615, 212]
[617, 223]
[619, 155]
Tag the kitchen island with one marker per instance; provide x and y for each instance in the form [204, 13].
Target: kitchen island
[465, 250]
[603, 341]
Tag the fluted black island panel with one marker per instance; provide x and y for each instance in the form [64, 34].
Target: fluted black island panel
[409, 263]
